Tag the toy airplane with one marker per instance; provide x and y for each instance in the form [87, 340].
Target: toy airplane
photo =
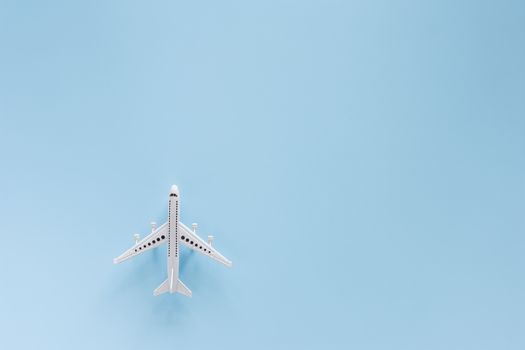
[173, 232]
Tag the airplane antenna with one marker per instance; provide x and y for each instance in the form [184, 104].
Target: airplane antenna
[153, 226]
[210, 240]
[136, 237]
[194, 227]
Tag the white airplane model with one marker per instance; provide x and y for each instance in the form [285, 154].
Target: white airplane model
[173, 232]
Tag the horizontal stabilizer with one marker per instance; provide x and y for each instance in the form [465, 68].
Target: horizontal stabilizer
[182, 289]
[163, 288]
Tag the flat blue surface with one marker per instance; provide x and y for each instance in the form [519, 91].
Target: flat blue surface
[362, 164]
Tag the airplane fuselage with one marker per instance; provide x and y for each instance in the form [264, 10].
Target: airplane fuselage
[173, 242]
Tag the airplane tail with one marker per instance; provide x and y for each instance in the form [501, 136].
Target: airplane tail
[165, 287]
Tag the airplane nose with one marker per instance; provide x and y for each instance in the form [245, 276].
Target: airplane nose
[174, 190]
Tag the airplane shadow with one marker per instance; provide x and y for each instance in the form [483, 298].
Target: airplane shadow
[185, 256]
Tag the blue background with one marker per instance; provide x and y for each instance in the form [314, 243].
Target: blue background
[361, 162]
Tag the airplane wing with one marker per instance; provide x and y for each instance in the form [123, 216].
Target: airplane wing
[153, 240]
[190, 239]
